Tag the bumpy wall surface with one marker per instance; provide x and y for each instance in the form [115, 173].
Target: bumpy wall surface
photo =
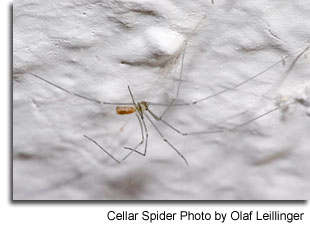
[98, 48]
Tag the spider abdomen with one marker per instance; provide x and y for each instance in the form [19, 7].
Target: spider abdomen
[125, 110]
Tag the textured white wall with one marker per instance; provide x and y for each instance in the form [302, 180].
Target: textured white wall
[98, 48]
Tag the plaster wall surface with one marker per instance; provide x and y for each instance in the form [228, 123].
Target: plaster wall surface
[97, 48]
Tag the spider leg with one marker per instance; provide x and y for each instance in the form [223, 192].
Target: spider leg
[146, 140]
[76, 94]
[165, 140]
[177, 130]
[140, 143]
[182, 64]
[179, 85]
[259, 116]
[95, 142]
[141, 119]
[220, 130]
[234, 87]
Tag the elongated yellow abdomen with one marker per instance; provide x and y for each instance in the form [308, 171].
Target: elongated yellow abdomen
[125, 110]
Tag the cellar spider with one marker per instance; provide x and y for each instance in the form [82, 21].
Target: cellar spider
[144, 113]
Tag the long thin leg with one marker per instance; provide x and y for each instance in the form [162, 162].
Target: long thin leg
[140, 112]
[244, 123]
[132, 98]
[139, 144]
[177, 130]
[224, 90]
[179, 84]
[296, 59]
[76, 94]
[146, 139]
[95, 142]
[164, 139]
[258, 117]
[182, 63]
[237, 85]
[220, 130]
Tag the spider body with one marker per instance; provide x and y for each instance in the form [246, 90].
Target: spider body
[125, 110]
